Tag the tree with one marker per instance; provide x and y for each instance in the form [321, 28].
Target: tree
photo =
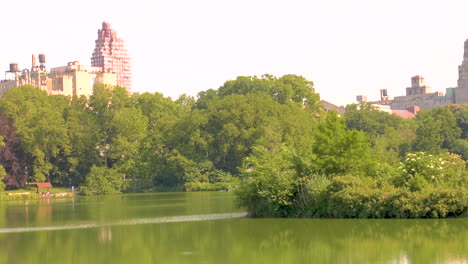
[390, 136]
[461, 115]
[269, 182]
[151, 163]
[186, 102]
[12, 158]
[374, 122]
[338, 150]
[83, 132]
[128, 129]
[104, 101]
[40, 126]
[437, 130]
[229, 127]
[286, 89]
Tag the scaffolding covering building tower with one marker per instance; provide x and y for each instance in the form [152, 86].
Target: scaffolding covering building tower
[111, 56]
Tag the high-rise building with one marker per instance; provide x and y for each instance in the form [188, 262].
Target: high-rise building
[461, 94]
[111, 56]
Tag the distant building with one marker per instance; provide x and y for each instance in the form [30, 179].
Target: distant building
[329, 107]
[69, 80]
[111, 56]
[461, 93]
[77, 79]
[417, 86]
[383, 95]
[361, 98]
[420, 95]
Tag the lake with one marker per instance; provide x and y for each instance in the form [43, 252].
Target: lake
[206, 227]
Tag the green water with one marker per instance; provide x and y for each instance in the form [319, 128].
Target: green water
[208, 228]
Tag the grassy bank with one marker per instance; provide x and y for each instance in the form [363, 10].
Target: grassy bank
[30, 192]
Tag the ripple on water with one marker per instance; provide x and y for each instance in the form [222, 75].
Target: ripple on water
[169, 219]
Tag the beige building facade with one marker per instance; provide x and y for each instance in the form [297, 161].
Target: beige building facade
[72, 79]
[420, 95]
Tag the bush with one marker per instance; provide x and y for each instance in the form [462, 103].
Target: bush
[102, 180]
[432, 203]
[420, 169]
[268, 194]
[310, 199]
[350, 197]
[360, 197]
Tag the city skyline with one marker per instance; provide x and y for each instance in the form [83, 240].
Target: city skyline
[346, 49]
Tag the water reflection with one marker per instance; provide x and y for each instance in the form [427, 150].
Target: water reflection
[143, 229]
[105, 234]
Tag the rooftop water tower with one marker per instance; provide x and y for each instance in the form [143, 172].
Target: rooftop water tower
[42, 62]
[383, 95]
[13, 72]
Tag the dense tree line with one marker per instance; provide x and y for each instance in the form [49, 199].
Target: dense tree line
[142, 141]
[268, 135]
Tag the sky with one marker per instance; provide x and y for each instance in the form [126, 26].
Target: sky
[346, 48]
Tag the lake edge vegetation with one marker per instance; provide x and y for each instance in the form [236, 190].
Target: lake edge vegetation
[267, 138]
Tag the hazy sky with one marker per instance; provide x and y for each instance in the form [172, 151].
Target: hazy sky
[184, 46]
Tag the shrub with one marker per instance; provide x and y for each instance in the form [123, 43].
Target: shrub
[310, 199]
[360, 197]
[102, 180]
[420, 169]
[268, 193]
[432, 202]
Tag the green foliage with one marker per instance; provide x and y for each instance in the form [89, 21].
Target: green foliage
[432, 202]
[390, 136]
[460, 147]
[40, 126]
[311, 196]
[206, 186]
[286, 89]
[461, 115]
[102, 180]
[374, 122]
[128, 128]
[339, 150]
[269, 184]
[360, 197]
[267, 135]
[83, 133]
[278, 183]
[420, 169]
[437, 130]
[226, 130]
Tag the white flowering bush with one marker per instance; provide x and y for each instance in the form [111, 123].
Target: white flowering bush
[420, 168]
